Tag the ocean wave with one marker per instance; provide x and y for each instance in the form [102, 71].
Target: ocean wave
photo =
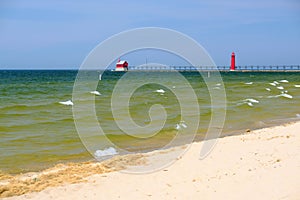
[180, 125]
[17, 106]
[249, 83]
[250, 102]
[280, 88]
[161, 91]
[29, 109]
[282, 95]
[95, 93]
[31, 105]
[106, 152]
[67, 103]
[283, 81]
[273, 84]
[287, 96]
[41, 122]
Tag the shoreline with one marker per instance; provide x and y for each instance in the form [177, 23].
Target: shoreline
[258, 160]
[39, 168]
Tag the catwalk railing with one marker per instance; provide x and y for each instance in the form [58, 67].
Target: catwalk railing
[282, 68]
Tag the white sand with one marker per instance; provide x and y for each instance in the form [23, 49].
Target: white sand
[263, 164]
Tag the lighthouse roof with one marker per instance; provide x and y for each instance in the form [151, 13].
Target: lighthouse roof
[121, 62]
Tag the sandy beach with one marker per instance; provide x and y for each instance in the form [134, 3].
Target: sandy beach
[260, 164]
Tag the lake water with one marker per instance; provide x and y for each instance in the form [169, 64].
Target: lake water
[36, 131]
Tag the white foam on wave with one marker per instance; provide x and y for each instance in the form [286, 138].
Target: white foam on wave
[275, 96]
[284, 81]
[177, 127]
[95, 93]
[282, 92]
[249, 83]
[268, 89]
[280, 88]
[273, 84]
[160, 91]
[286, 96]
[66, 103]
[106, 152]
[252, 100]
[282, 95]
[297, 86]
[298, 115]
[181, 125]
[250, 104]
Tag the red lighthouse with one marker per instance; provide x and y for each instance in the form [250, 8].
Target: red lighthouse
[232, 66]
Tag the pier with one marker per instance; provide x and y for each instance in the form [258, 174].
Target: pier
[251, 68]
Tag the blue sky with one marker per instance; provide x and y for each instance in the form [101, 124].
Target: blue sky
[59, 34]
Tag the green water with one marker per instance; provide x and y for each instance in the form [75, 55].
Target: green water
[37, 131]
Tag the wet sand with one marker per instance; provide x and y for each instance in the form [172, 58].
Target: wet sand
[260, 164]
